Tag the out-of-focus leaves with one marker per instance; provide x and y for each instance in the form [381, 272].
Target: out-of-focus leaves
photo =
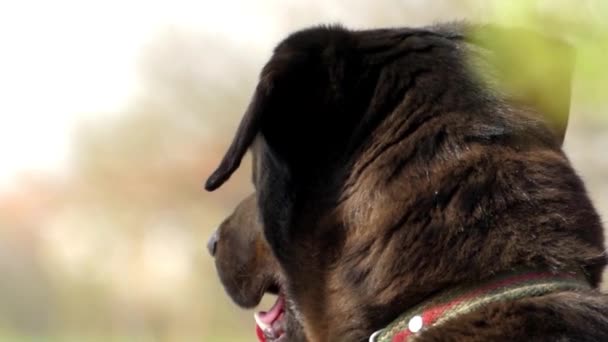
[516, 63]
[530, 65]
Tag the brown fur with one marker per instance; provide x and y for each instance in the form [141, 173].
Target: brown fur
[241, 248]
[386, 170]
[245, 263]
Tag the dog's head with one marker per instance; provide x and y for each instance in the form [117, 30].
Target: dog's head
[386, 169]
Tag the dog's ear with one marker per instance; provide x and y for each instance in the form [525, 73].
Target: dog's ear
[534, 69]
[273, 111]
[299, 104]
[248, 129]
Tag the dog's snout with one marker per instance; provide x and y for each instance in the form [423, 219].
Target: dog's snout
[212, 243]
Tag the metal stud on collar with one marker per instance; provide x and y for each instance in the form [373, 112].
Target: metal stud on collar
[415, 324]
[375, 335]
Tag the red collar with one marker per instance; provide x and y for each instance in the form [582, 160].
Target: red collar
[467, 298]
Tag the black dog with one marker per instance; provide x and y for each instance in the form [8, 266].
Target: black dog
[398, 182]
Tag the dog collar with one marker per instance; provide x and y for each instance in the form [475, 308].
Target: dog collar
[467, 298]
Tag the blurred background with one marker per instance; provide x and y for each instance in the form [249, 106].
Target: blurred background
[113, 113]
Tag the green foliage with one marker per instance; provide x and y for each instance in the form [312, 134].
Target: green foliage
[581, 24]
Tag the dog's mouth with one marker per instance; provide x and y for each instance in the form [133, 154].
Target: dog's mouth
[272, 324]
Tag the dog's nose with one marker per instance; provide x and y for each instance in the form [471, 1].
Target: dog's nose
[212, 243]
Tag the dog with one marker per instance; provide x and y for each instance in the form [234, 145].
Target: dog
[406, 195]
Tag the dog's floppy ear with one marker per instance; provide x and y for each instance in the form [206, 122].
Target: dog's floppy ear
[246, 133]
[300, 95]
[535, 70]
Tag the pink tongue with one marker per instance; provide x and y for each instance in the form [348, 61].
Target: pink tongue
[271, 315]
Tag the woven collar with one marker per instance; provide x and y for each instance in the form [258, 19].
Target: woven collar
[467, 298]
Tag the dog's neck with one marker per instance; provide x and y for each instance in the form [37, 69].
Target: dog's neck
[467, 298]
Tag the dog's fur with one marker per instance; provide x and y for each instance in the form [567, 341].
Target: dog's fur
[386, 170]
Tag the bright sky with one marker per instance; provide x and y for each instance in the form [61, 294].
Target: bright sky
[64, 61]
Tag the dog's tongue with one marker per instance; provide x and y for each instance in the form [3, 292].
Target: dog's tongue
[264, 319]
